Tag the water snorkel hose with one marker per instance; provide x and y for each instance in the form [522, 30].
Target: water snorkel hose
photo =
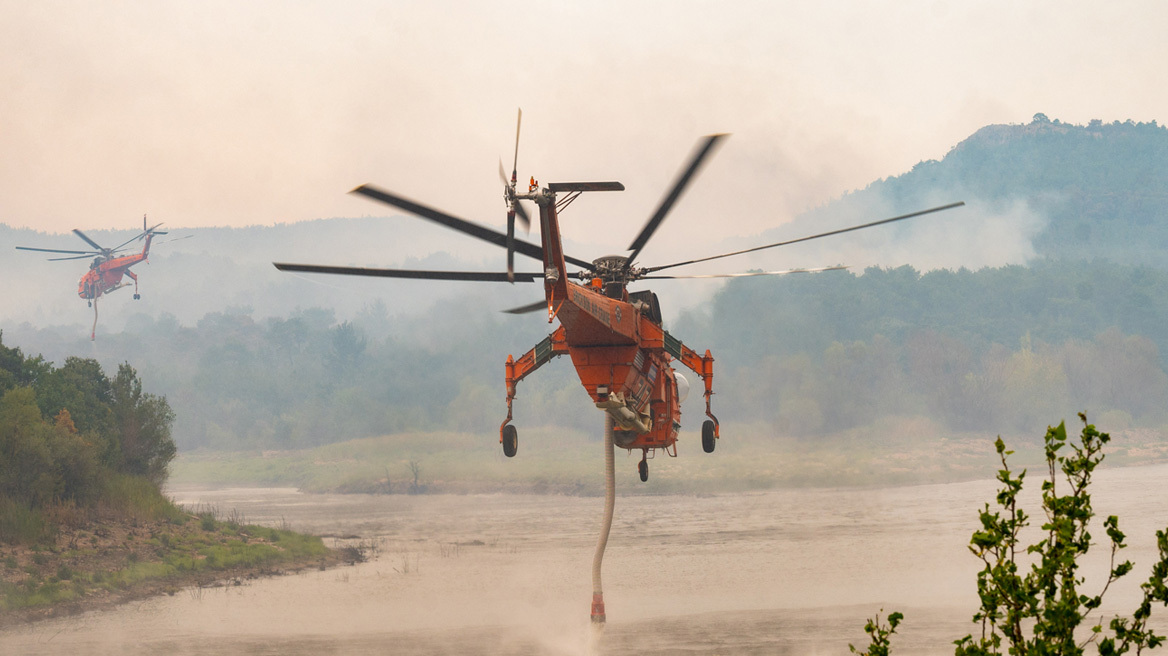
[609, 502]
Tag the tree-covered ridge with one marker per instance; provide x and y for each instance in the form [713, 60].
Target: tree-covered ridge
[1115, 159]
[1051, 301]
[67, 432]
[1101, 189]
[1103, 186]
[979, 350]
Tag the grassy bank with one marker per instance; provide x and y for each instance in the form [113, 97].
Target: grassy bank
[135, 544]
[748, 457]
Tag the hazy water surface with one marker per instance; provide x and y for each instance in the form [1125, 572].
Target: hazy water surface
[782, 572]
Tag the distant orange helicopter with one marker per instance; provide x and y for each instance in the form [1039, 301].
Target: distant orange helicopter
[106, 271]
[622, 354]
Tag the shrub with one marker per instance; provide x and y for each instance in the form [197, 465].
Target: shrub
[207, 521]
[20, 523]
[137, 497]
[1038, 611]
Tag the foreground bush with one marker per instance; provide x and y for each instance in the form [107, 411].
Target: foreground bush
[1040, 609]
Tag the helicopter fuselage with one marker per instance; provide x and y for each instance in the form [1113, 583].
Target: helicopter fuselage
[616, 342]
[105, 275]
[615, 338]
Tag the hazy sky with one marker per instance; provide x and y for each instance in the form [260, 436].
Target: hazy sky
[233, 113]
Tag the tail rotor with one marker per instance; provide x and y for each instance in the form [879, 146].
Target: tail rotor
[514, 208]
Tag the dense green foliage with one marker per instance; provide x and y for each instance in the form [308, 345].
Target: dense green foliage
[1052, 300]
[69, 434]
[1031, 595]
[994, 350]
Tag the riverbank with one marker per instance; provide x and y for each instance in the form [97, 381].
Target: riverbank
[101, 559]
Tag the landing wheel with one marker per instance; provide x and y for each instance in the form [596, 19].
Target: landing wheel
[89, 303]
[643, 469]
[708, 436]
[137, 296]
[510, 441]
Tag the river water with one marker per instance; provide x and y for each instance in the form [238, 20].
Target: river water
[781, 572]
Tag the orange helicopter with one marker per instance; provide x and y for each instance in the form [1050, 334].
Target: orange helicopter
[614, 337]
[107, 269]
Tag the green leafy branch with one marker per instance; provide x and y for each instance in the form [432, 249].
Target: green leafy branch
[1037, 610]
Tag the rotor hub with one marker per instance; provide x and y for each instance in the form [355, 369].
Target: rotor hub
[611, 268]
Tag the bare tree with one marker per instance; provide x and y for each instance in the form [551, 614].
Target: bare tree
[416, 470]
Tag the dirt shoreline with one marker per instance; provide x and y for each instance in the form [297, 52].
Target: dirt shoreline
[92, 564]
[105, 600]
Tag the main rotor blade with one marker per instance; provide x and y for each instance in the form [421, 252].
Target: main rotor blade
[748, 274]
[87, 239]
[524, 309]
[468, 276]
[56, 250]
[795, 241]
[75, 257]
[585, 186]
[695, 163]
[472, 229]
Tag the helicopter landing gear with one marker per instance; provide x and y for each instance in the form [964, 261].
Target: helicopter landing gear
[708, 436]
[137, 297]
[510, 441]
[643, 467]
[89, 303]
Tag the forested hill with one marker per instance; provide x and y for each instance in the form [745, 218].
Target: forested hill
[1099, 190]
[271, 362]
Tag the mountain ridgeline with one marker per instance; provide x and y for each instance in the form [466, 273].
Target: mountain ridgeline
[1100, 190]
[1083, 325]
